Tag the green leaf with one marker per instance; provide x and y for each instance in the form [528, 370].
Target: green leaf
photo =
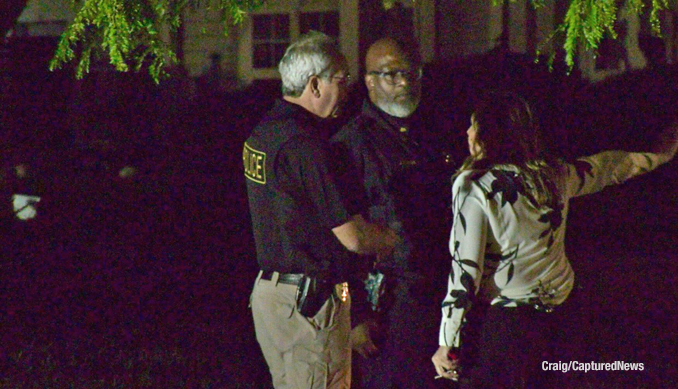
[121, 29]
[468, 262]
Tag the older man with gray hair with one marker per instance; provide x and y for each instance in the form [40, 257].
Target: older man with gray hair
[304, 226]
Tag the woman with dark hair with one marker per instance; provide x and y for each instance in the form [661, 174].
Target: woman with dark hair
[510, 203]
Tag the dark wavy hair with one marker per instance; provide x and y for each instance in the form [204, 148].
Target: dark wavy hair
[509, 135]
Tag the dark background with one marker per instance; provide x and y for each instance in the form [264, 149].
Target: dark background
[144, 281]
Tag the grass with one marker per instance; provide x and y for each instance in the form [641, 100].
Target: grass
[82, 364]
[122, 294]
[119, 294]
[160, 339]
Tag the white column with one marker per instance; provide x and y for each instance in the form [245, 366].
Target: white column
[546, 25]
[492, 29]
[245, 72]
[518, 26]
[425, 28]
[669, 33]
[348, 33]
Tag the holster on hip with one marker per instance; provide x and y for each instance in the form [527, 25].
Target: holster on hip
[312, 294]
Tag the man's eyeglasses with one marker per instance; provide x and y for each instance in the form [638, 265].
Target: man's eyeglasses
[392, 77]
[342, 80]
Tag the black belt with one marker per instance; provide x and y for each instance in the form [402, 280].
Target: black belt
[283, 278]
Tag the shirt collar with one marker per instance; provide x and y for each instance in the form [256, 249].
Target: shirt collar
[313, 125]
[396, 124]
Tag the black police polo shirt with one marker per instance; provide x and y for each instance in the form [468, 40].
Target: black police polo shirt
[293, 195]
[405, 182]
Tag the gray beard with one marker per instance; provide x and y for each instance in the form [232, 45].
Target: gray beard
[399, 110]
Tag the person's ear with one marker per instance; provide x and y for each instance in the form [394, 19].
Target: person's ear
[369, 81]
[315, 86]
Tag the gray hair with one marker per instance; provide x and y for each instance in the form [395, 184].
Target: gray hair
[314, 54]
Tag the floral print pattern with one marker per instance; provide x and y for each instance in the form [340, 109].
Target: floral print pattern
[507, 251]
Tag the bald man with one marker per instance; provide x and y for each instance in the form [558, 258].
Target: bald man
[405, 182]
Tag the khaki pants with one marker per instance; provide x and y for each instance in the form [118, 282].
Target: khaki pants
[302, 352]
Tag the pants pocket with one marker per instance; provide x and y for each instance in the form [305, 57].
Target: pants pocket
[309, 369]
[326, 316]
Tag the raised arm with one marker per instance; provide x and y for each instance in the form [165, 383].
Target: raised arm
[593, 173]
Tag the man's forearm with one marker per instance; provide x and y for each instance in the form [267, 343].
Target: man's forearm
[365, 238]
[377, 239]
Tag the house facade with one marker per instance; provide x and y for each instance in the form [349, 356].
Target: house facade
[445, 29]
[252, 49]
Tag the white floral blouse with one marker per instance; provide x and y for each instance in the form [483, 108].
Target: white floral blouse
[505, 251]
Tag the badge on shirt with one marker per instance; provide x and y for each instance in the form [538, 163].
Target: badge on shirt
[255, 164]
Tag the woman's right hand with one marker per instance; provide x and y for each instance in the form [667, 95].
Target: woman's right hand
[445, 367]
[667, 144]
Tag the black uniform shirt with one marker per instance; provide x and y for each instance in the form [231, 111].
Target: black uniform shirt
[293, 195]
[406, 183]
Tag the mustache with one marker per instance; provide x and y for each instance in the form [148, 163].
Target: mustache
[408, 91]
[408, 94]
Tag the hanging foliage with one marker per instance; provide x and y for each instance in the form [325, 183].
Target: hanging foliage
[130, 32]
[587, 22]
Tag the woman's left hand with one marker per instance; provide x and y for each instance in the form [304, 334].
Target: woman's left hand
[445, 367]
